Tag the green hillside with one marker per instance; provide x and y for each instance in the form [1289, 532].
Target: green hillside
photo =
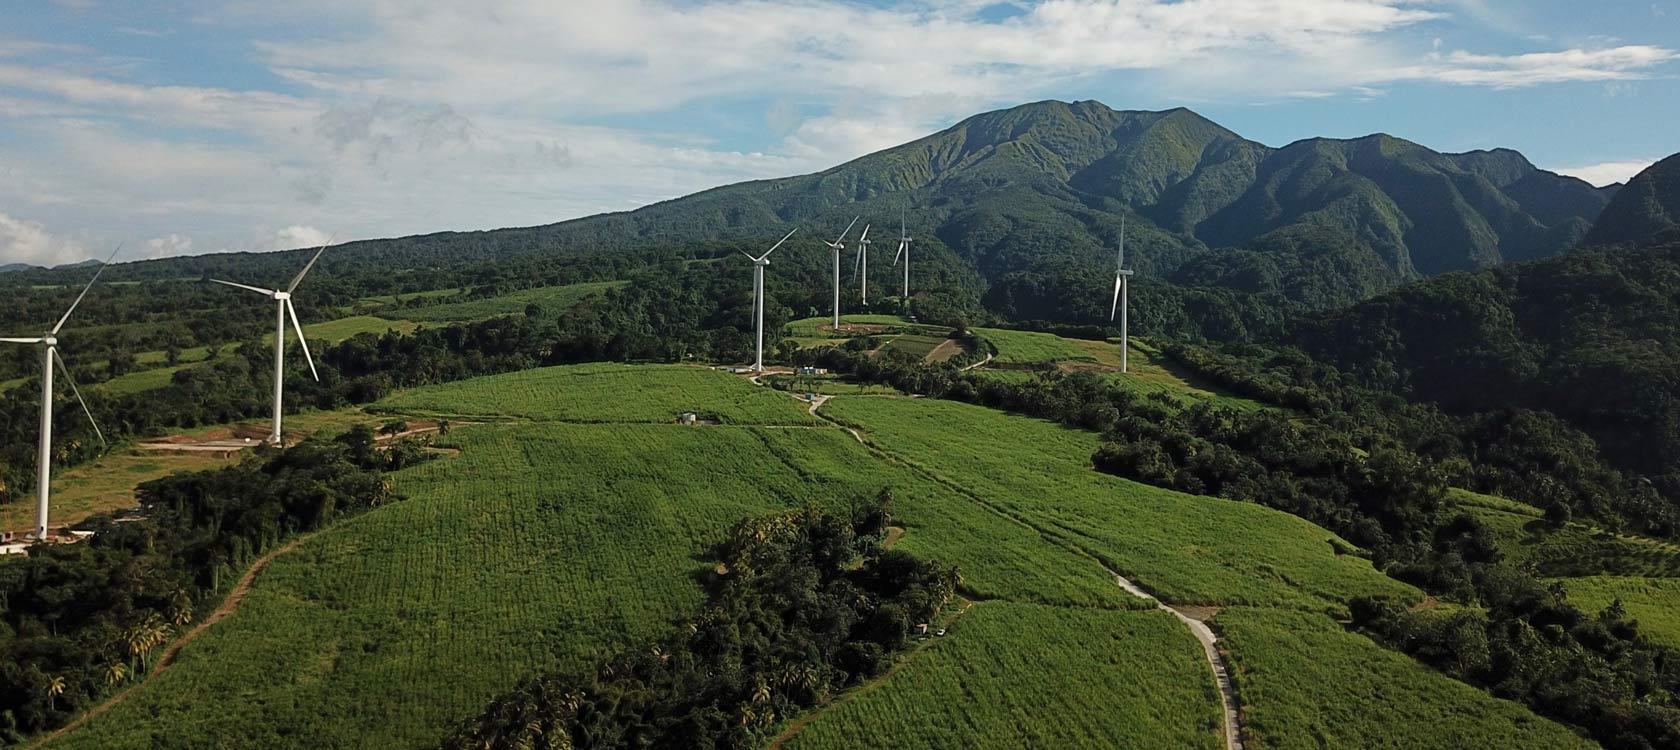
[1647, 210]
[1592, 337]
[542, 544]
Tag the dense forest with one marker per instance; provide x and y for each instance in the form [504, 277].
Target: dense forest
[800, 605]
[78, 621]
[1592, 337]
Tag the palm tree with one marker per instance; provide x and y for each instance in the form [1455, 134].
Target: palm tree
[146, 636]
[53, 689]
[180, 609]
[115, 672]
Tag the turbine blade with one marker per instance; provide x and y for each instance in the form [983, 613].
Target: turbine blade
[1122, 263]
[864, 238]
[857, 264]
[848, 228]
[85, 289]
[311, 264]
[899, 253]
[22, 341]
[778, 243]
[296, 326]
[1116, 306]
[257, 289]
[62, 368]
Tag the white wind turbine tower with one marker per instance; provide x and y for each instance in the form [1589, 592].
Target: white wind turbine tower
[758, 293]
[1122, 277]
[860, 269]
[904, 250]
[283, 310]
[837, 245]
[50, 356]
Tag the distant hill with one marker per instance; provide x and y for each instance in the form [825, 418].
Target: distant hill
[1044, 186]
[1646, 210]
[1593, 337]
[10, 267]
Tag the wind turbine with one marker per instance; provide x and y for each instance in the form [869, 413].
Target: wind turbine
[758, 292]
[49, 356]
[837, 245]
[860, 269]
[284, 309]
[904, 250]
[1122, 278]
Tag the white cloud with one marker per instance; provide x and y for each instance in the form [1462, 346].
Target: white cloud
[297, 236]
[1608, 172]
[28, 242]
[162, 247]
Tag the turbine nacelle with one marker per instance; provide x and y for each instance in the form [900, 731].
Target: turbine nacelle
[282, 296]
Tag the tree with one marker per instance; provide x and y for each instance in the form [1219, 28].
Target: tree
[394, 428]
[53, 689]
[145, 637]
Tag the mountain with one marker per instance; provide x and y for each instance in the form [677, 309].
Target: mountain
[1647, 210]
[1004, 189]
[1592, 337]
[9, 267]
[1041, 189]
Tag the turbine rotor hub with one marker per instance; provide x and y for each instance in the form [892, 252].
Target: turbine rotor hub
[282, 295]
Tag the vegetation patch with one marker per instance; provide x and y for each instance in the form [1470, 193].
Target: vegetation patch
[1011, 675]
[1184, 548]
[1305, 682]
[607, 393]
[550, 299]
[789, 620]
[1653, 602]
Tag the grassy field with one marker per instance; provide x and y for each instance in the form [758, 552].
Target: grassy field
[606, 393]
[817, 328]
[1029, 348]
[100, 486]
[1116, 679]
[541, 544]
[1654, 602]
[1575, 549]
[1186, 549]
[574, 524]
[551, 298]
[1307, 683]
[394, 299]
[915, 344]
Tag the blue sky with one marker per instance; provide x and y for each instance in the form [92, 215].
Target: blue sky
[189, 126]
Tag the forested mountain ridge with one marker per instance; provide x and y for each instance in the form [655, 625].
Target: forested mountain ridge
[1592, 337]
[1647, 210]
[1043, 186]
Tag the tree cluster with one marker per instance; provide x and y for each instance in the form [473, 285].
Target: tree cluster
[80, 620]
[800, 605]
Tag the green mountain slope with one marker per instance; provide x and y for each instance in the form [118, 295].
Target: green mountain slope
[1647, 210]
[1591, 337]
[1046, 185]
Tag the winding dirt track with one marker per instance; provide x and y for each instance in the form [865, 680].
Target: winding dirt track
[1210, 648]
[230, 603]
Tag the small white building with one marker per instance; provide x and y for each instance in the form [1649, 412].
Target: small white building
[688, 417]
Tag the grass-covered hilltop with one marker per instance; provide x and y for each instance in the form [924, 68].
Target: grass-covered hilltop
[1388, 461]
